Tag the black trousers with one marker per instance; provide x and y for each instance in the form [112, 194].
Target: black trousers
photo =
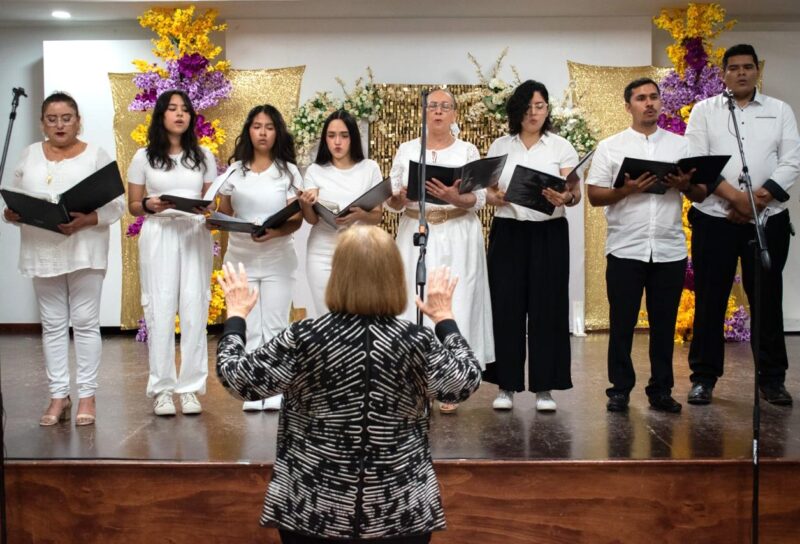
[662, 283]
[288, 537]
[528, 263]
[717, 246]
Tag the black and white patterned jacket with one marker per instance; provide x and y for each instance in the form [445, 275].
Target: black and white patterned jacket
[353, 458]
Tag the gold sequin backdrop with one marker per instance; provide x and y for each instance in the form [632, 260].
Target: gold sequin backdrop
[598, 90]
[280, 88]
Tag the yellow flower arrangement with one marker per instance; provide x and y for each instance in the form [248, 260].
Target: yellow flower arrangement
[217, 139]
[704, 21]
[179, 33]
[139, 134]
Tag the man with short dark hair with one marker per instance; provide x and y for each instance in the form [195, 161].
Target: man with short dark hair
[645, 246]
[722, 225]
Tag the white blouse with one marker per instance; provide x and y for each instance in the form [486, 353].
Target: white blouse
[43, 253]
[255, 197]
[179, 181]
[341, 187]
[458, 153]
[549, 155]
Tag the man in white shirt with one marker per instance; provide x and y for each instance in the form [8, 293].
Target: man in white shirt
[645, 246]
[722, 226]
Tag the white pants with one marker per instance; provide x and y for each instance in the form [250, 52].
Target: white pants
[270, 315]
[75, 297]
[175, 263]
[319, 257]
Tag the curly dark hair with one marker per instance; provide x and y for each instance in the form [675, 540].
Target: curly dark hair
[518, 103]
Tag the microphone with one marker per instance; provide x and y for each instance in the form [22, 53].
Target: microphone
[19, 91]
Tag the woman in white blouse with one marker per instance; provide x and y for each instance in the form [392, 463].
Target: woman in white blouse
[339, 175]
[262, 181]
[456, 237]
[68, 268]
[174, 251]
[529, 258]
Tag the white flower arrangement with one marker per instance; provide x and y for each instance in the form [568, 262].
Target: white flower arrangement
[489, 100]
[569, 121]
[307, 122]
[365, 101]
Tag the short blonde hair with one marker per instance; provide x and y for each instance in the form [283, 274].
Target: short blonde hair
[367, 275]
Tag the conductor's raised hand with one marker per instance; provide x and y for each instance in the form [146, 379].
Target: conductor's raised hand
[239, 298]
[438, 305]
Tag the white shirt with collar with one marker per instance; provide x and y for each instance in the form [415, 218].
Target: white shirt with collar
[771, 146]
[641, 226]
[549, 155]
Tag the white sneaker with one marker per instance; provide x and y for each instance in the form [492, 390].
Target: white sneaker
[163, 405]
[504, 400]
[273, 403]
[545, 402]
[253, 405]
[190, 404]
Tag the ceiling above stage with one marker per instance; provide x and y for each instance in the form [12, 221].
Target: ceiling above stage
[13, 11]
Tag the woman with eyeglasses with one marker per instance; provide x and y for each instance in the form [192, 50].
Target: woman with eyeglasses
[67, 268]
[529, 258]
[456, 236]
[339, 175]
[262, 181]
[174, 251]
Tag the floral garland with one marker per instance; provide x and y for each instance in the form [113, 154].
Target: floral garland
[364, 102]
[185, 47]
[696, 76]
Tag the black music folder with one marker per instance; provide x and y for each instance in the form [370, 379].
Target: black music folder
[186, 204]
[229, 223]
[526, 186]
[474, 175]
[708, 170]
[91, 193]
[368, 201]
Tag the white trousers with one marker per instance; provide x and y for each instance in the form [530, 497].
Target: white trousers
[271, 312]
[74, 297]
[319, 257]
[175, 263]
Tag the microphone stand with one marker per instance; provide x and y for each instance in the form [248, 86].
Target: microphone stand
[762, 263]
[421, 236]
[18, 91]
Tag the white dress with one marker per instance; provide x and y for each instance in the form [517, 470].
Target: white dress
[457, 243]
[339, 187]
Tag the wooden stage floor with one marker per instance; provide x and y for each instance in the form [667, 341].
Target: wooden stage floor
[581, 428]
[579, 475]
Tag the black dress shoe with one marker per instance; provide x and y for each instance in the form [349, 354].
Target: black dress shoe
[617, 402]
[665, 403]
[776, 394]
[700, 394]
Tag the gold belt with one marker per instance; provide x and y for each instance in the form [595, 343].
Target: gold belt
[436, 217]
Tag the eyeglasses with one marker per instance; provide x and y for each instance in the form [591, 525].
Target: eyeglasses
[66, 119]
[444, 106]
[537, 106]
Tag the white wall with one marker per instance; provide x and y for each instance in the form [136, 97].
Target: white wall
[22, 65]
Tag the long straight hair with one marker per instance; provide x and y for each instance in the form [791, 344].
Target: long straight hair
[282, 152]
[356, 152]
[158, 138]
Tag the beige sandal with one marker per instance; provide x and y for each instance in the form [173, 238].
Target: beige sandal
[447, 407]
[88, 417]
[48, 420]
